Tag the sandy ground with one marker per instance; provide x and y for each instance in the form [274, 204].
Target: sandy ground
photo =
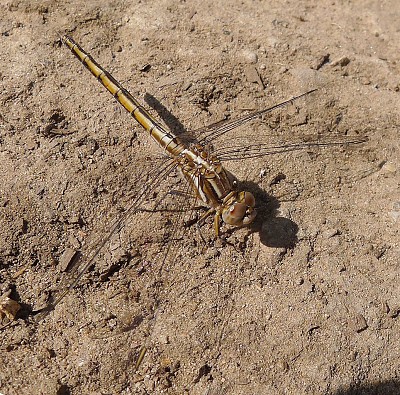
[306, 301]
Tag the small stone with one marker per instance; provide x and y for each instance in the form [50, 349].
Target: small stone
[300, 281]
[8, 308]
[321, 61]
[388, 167]
[365, 81]
[283, 365]
[212, 253]
[31, 144]
[66, 258]
[385, 307]
[343, 61]
[75, 219]
[74, 242]
[358, 323]
[115, 243]
[186, 85]
[146, 67]
[327, 234]
[249, 57]
[394, 215]
[149, 383]
[49, 215]
[253, 76]
[379, 251]
[163, 338]
[341, 268]
[283, 70]
[394, 311]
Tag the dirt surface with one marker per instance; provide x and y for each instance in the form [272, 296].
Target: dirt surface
[306, 301]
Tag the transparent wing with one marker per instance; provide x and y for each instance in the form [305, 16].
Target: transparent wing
[218, 129]
[158, 176]
[241, 152]
[253, 146]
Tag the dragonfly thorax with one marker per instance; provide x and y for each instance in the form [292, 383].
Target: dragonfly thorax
[216, 187]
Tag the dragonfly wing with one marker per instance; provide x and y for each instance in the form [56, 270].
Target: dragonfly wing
[240, 152]
[218, 129]
[113, 228]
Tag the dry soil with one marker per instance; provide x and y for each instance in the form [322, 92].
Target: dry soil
[306, 301]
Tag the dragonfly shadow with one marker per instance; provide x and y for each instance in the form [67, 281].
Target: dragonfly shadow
[275, 231]
[172, 123]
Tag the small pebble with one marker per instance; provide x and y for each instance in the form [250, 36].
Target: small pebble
[283, 70]
[212, 253]
[343, 61]
[75, 219]
[394, 311]
[145, 68]
[321, 61]
[327, 234]
[252, 75]
[186, 85]
[23, 225]
[394, 215]
[163, 338]
[66, 259]
[385, 307]
[149, 383]
[249, 57]
[31, 144]
[388, 167]
[300, 281]
[8, 308]
[365, 81]
[49, 215]
[283, 365]
[74, 242]
[358, 323]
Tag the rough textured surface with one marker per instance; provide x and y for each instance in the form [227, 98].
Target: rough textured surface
[305, 302]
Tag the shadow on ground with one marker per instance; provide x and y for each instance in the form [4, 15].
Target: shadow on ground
[390, 387]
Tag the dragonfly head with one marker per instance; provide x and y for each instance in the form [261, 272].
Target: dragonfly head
[239, 209]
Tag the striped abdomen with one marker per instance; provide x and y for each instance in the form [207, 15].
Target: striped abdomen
[165, 139]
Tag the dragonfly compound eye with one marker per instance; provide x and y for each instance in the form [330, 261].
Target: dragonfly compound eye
[241, 212]
[234, 215]
[249, 199]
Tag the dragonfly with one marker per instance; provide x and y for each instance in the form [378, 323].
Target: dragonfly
[202, 170]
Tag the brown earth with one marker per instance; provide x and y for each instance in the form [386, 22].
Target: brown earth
[306, 301]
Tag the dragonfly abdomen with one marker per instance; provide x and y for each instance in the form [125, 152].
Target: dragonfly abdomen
[165, 139]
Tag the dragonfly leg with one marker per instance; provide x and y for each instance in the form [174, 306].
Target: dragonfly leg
[217, 223]
[202, 220]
